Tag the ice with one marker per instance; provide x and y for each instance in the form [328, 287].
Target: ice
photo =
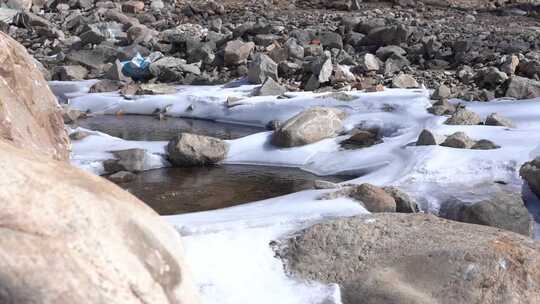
[229, 249]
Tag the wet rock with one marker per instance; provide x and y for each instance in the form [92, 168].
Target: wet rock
[122, 177]
[79, 229]
[523, 88]
[404, 203]
[361, 139]
[458, 140]
[502, 208]
[321, 184]
[427, 138]
[196, 150]
[132, 160]
[270, 87]
[414, 258]
[237, 52]
[530, 172]
[262, 67]
[309, 126]
[70, 73]
[105, 85]
[495, 119]
[154, 89]
[404, 81]
[464, 117]
[373, 198]
[71, 115]
[484, 144]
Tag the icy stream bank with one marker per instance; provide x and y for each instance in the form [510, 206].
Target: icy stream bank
[228, 249]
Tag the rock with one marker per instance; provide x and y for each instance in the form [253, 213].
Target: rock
[361, 139]
[464, 117]
[321, 184]
[404, 203]
[322, 68]
[139, 34]
[79, 135]
[196, 150]
[442, 107]
[441, 93]
[30, 117]
[236, 52]
[133, 7]
[132, 160]
[343, 74]
[368, 62]
[494, 119]
[404, 81]
[394, 64]
[154, 89]
[71, 115]
[492, 77]
[415, 258]
[201, 52]
[386, 52]
[510, 64]
[262, 67]
[122, 177]
[270, 87]
[373, 198]
[309, 126]
[458, 140]
[484, 144]
[502, 208]
[102, 242]
[523, 88]
[294, 50]
[313, 50]
[427, 138]
[105, 85]
[388, 35]
[20, 5]
[171, 69]
[530, 172]
[70, 73]
[331, 40]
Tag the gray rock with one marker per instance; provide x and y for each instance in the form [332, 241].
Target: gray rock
[122, 177]
[530, 172]
[394, 64]
[132, 160]
[171, 69]
[313, 50]
[294, 50]
[492, 77]
[458, 140]
[426, 138]
[71, 115]
[388, 35]
[270, 87]
[368, 62]
[484, 144]
[79, 135]
[105, 85]
[201, 52]
[321, 184]
[196, 150]
[464, 117]
[502, 208]
[261, 68]
[373, 198]
[510, 64]
[154, 89]
[404, 81]
[386, 52]
[495, 119]
[415, 258]
[309, 126]
[442, 107]
[523, 88]
[70, 72]
[322, 68]
[442, 92]
[404, 203]
[237, 52]
[115, 72]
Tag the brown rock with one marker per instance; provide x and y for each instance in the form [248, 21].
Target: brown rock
[30, 117]
[375, 199]
[71, 237]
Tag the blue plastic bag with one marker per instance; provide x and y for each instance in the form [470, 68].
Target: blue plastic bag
[137, 68]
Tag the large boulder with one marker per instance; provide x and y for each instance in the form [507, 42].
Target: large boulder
[523, 88]
[498, 207]
[463, 117]
[30, 117]
[530, 172]
[416, 258]
[72, 237]
[196, 150]
[309, 126]
[237, 52]
[261, 68]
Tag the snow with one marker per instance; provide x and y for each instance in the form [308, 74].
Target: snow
[229, 249]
